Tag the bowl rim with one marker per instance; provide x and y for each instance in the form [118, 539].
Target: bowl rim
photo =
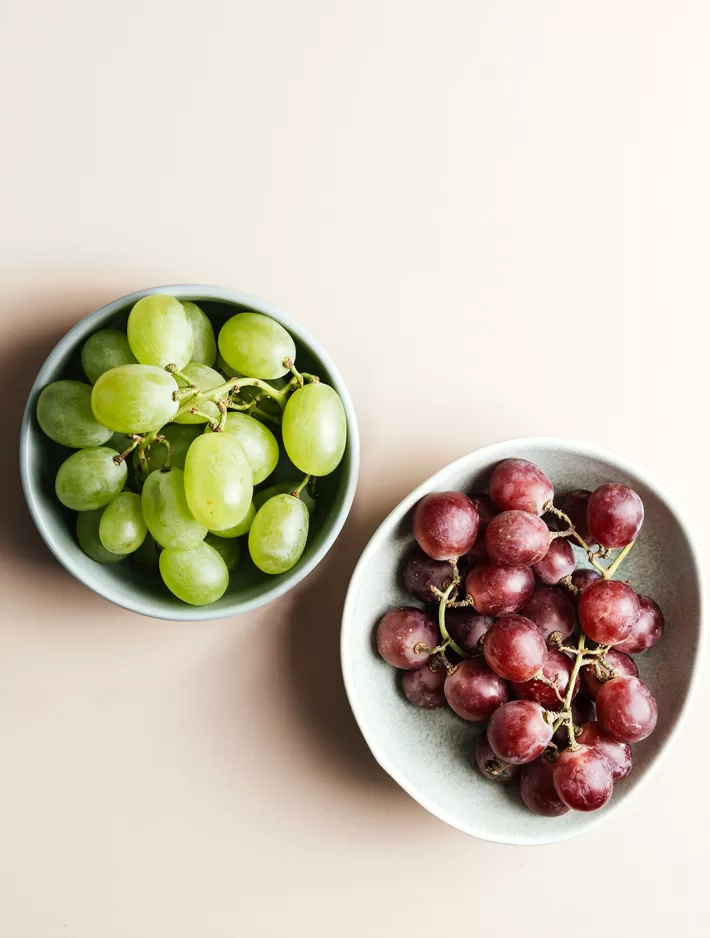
[493, 452]
[196, 292]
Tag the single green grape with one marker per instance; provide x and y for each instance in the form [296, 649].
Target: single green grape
[278, 534]
[165, 510]
[87, 533]
[105, 349]
[179, 437]
[159, 332]
[148, 553]
[204, 345]
[258, 442]
[239, 529]
[122, 528]
[256, 346]
[205, 378]
[284, 488]
[134, 398]
[64, 413]
[90, 478]
[218, 481]
[198, 576]
[314, 429]
[228, 550]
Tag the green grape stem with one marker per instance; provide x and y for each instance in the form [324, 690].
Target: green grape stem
[297, 491]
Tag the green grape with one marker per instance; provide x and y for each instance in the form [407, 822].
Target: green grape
[105, 349]
[218, 481]
[179, 437]
[284, 488]
[159, 332]
[64, 413]
[87, 533]
[90, 478]
[221, 365]
[122, 528]
[314, 429]
[148, 553]
[197, 576]
[205, 378]
[134, 398]
[258, 442]
[278, 534]
[166, 513]
[228, 550]
[204, 346]
[242, 527]
[256, 346]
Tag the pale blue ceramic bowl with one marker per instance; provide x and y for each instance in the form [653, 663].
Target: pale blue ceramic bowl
[128, 584]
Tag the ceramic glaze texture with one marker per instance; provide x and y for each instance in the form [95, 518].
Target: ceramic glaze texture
[431, 753]
[127, 583]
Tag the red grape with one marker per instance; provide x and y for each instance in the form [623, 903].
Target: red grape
[519, 484]
[647, 629]
[552, 611]
[478, 554]
[614, 515]
[491, 766]
[558, 562]
[617, 755]
[538, 790]
[574, 504]
[498, 590]
[626, 709]
[517, 539]
[558, 669]
[486, 511]
[582, 578]
[445, 524]
[608, 610]
[616, 660]
[420, 573]
[474, 691]
[398, 633]
[424, 687]
[518, 731]
[514, 648]
[467, 627]
[583, 779]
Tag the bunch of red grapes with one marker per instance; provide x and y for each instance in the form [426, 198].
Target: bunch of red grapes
[525, 641]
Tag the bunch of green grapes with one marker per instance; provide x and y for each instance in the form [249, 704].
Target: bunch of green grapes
[201, 444]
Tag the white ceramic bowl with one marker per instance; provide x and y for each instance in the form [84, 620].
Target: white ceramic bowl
[429, 752]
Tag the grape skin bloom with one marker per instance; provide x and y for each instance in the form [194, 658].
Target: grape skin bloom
[87, 533]
[134, 398]
[159, 332]
[64, 413]
[122, 528]
[90, 478]
[198, 576]
[166, 511]
[258, 442]
[204, 344]
[104, 350]
[314, 429]
[278, 534]
[256, 346]
[218, 481]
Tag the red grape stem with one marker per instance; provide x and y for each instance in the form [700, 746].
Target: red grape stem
[567, 582]
[548, 683]
[606, 572]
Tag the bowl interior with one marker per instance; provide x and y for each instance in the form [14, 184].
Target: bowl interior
[430, 752]
[140, 588]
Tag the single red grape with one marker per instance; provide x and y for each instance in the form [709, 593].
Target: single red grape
[486, 511]
[514, 648]
[574, 504]
[400, 631]
[617, 755]
[518, 731]
[626, 709]
[519, 484]
[517, 539]
[445, 524]
[608, 610]
[583, 779]
[420, 573]
[582, 578]
[558, 669]
[617, 660]
[647, 629]
[497, 591]
[614, 515]
[467, 627]
[538, 790]
[551, 610]
[478, 554]
[474, 691]
[424, 687]
[491, 766]
[558, 562]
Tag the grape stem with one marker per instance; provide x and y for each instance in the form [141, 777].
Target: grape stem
[448, 640]
[137, 440]
[288, 363]
[297, 491]
[606, 572]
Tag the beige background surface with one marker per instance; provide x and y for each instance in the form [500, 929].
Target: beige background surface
[495, 217]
